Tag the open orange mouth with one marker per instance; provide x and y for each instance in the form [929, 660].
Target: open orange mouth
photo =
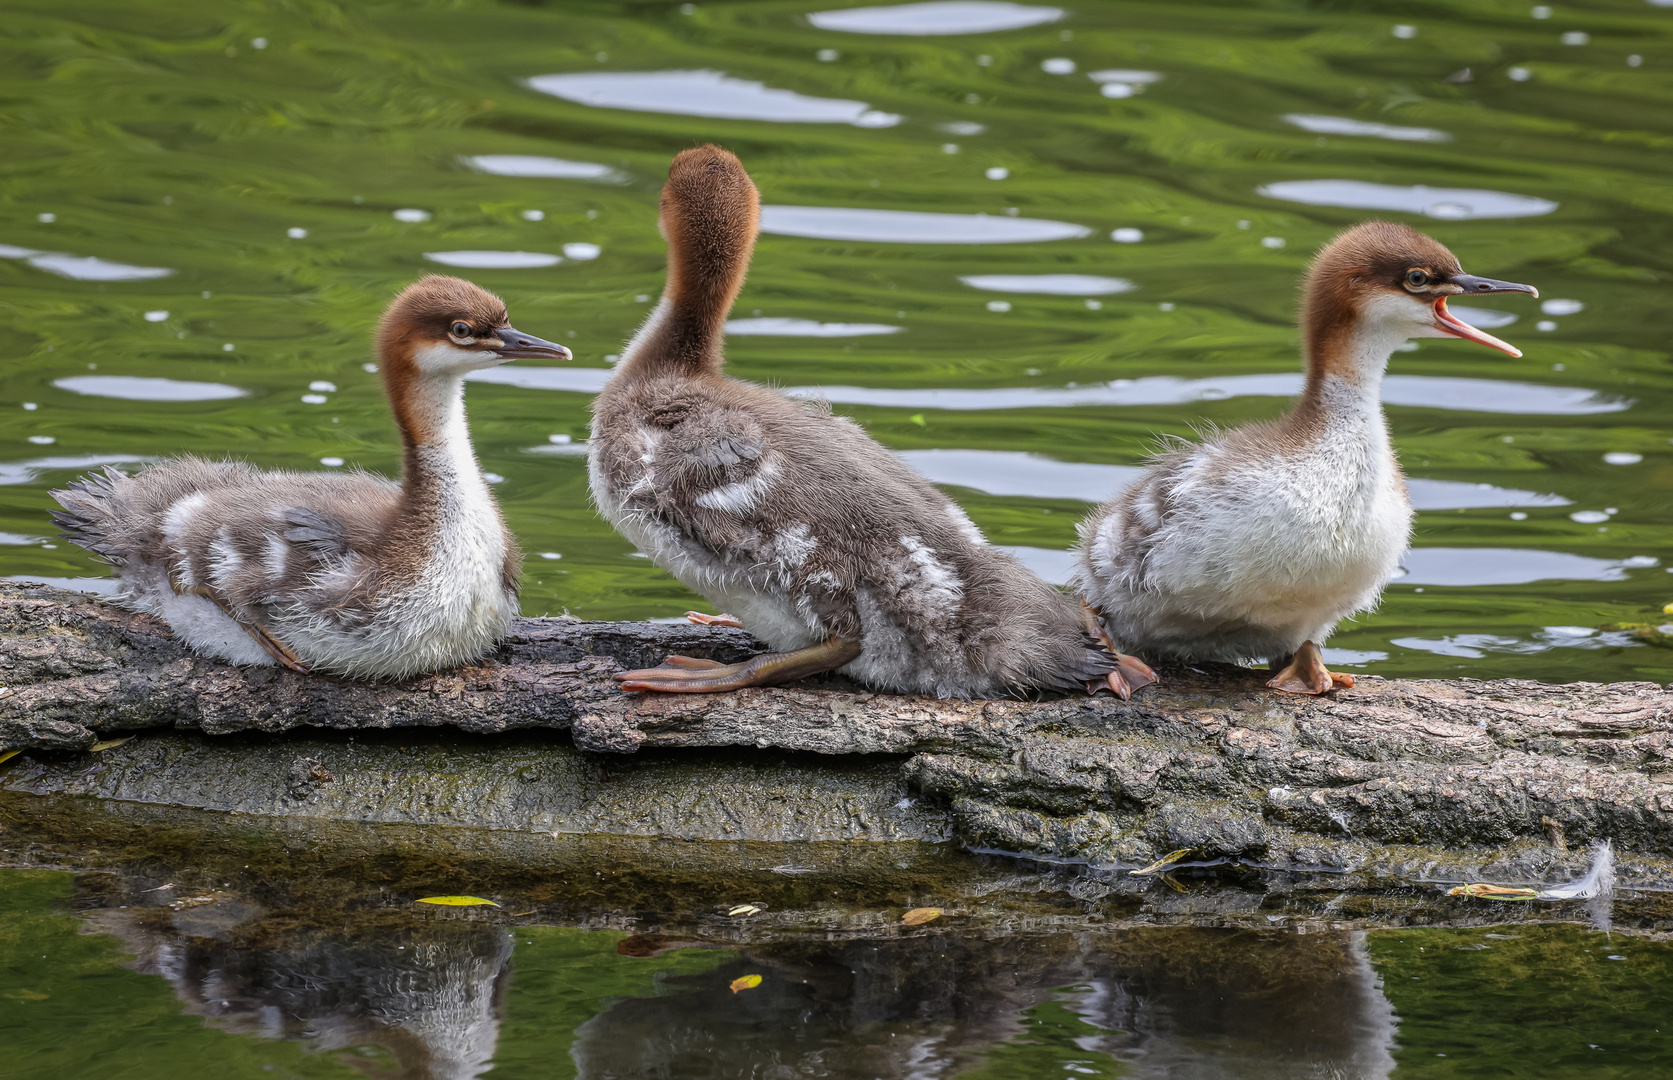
[1448, 323]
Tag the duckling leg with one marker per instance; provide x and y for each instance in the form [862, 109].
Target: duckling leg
[723, 619]
[685, 675]
[1130, 672]
[270, 644]
[1306, 674]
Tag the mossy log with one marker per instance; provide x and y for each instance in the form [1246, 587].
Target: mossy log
[1399, 774]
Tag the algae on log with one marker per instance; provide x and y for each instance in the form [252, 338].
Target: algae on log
[1395, 773]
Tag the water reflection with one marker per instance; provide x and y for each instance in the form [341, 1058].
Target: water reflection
[1122, 82]
[936, 17]
[778, 327]
[912, 226]
[546, 168]
[1449, 204]
[494, 260]
[1163, 1003]
[706, 93]
[574, 380]
[1477, 646]
[26, 472]
[1504, 566]
[438, 999]
[1341, 125]
[1014, 473]
[429, 993]
[1417, 391]
[1427, 566]
[1051, 284]
[83, 267]
[95, 585]
[1484, 318]
[147, 388]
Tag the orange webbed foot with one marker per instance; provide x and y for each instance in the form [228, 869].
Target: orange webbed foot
[689, 675]
[1306, 674]
[723, 619]
[1130, 674]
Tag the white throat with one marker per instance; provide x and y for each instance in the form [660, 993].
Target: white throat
[446, 453]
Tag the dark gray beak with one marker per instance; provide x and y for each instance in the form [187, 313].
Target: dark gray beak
[520, 346]
[1472, 285]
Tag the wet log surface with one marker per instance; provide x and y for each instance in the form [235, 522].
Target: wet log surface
[1409, 778]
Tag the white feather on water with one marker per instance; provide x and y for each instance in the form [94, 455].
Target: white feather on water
[1598, 882]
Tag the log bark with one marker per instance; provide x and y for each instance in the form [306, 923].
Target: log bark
[1399, 774]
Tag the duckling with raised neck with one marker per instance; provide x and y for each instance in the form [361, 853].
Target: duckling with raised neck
[825, 545]
[1254, 543]
[345, 573]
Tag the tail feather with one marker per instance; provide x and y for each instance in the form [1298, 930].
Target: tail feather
[91, 516]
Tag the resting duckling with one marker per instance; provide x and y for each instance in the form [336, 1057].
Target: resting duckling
[822, 542]
[1253, 544]
[346, 573]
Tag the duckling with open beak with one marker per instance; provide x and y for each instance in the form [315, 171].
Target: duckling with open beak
[821, 542]
[343, 572]
[1254, 543]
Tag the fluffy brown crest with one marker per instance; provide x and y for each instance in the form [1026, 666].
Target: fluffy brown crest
[426, 308]
[1358, 263]
[710, 215]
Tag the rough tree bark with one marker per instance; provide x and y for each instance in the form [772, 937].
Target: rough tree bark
[1394, 773]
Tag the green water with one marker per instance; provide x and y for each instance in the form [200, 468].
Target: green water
[93, 990]
[160, 136]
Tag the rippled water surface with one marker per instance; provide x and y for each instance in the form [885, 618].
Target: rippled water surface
[1017, 241]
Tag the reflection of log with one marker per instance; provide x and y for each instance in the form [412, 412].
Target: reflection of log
[1211, 762]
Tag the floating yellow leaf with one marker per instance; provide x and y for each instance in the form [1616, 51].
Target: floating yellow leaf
[520, 914]
[746, 982]
[457, 901]
[1492, 892]
[109, 744]
[1163, 863]
[918, 916]
[1667, 610]
[7, 755]
[36, 995]
[744, 909]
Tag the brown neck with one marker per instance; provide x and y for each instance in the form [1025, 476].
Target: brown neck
[710, 214]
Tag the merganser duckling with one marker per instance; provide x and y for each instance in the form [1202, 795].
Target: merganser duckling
[1254, 543]
[825, 545]
[346, 573]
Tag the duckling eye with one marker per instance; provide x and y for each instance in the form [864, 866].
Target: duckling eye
[462, 329]
[1416, 279]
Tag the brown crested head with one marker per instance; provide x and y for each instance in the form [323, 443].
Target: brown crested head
[1391, 280]
[710, 215]
[443, 325]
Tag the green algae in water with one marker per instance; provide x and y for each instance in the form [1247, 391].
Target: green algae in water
[290, 188]
[1562, 1002]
